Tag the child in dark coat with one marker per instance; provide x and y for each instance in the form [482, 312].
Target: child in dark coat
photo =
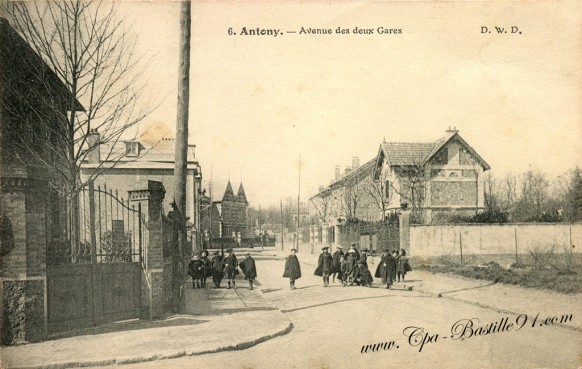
[324, 265]
[249, 269]
[402, 265]
[386, 269]
[230, 268]
[195, 270]
[292, 269]
[217, 266]
[363, 275]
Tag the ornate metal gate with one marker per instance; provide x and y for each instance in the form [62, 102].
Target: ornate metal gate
[99, 279]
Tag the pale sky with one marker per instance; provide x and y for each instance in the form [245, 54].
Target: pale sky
[258, 102]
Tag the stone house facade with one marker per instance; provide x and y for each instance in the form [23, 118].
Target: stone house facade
[433, 179]
[352, 195]
[128, 166]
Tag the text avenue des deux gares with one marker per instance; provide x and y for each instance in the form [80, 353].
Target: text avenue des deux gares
[420, 338]
[381, 30]
[274, 32]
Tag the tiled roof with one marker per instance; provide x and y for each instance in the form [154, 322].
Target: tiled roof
[402, 154]
[161, 151]
[407, 153]
[228, 193]
[242, 197]
[418, 153]
[357, 175]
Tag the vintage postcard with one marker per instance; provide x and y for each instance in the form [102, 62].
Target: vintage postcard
[258, 184]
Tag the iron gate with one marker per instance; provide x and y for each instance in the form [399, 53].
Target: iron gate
[97, 280]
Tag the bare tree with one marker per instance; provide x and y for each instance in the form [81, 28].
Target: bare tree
[533, 202]
[508, 193]
[90, 50]
[492, 200]
[379, 191]
[567, 192]
[288, 214]
[411, 184]
[350, 197]
[321, 203]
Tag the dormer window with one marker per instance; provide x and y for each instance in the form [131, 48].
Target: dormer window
[132, 148]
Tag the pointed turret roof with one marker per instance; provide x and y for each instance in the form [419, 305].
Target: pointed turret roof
[228, 193]
[242, 198]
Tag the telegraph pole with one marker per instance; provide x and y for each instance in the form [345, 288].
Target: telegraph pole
[182, 147]
[298, 196]
[211, 207]
[282, 227]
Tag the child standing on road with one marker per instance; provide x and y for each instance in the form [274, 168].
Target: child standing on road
[386, 269]
[195, 270]
[217, 273]
[292, 269]
[249, 269]
[324, 265]
[206, 268]
[231, 268]
[402, 265]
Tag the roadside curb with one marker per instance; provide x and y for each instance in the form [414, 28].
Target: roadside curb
[485, 306]
[140, 359]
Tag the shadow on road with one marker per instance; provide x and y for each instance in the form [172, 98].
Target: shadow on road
[269, 290]
[470, 288]
[340, 301]
[130, 326]
[220, 301]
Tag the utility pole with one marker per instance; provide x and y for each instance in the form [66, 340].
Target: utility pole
[282, 227]
[211, 205]
[181, 149]
[298, 196]
[261, 230]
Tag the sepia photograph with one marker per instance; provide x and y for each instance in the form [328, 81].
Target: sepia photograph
[256, 184]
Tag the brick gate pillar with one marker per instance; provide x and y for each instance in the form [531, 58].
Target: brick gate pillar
[151, 200]
[23, 314]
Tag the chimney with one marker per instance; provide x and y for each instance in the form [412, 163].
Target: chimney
[453, 130]
[347, 170]
[93, 147]
[192, 149]
[355, 162]
[337, 173]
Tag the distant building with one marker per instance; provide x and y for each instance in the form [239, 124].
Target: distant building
[349, 196]
[127, 166]
[433, 179]
[230, 212]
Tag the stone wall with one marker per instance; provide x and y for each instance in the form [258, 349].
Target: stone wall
[494, 239]
[23, 305]
[373, 236]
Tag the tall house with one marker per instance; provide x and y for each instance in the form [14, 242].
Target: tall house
[126, 166]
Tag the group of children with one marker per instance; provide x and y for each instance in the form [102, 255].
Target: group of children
[352, 267]
[200, 268]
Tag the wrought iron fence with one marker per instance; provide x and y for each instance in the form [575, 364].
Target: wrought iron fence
[110, 229]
